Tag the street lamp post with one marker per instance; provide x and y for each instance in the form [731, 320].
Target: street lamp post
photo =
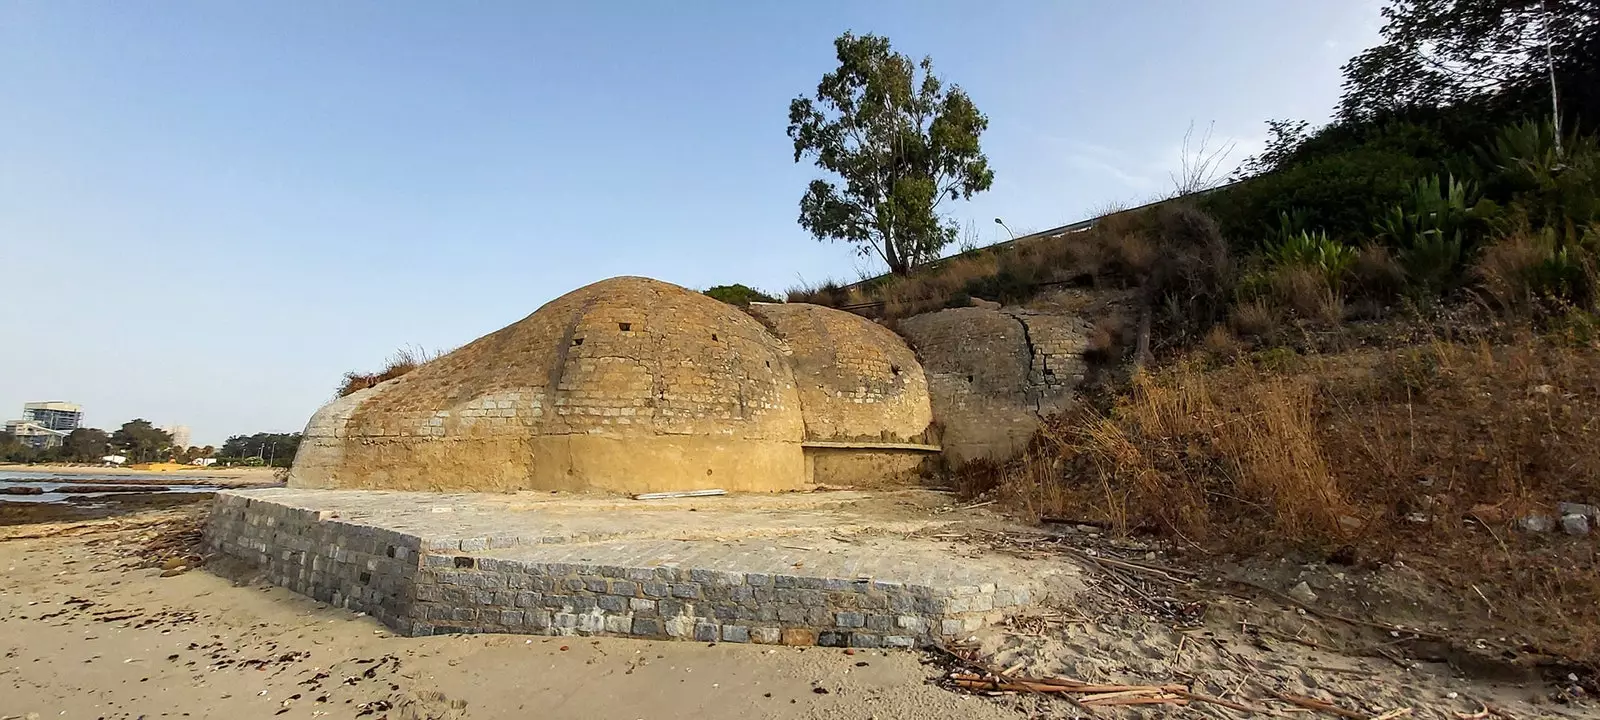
[1002, 223]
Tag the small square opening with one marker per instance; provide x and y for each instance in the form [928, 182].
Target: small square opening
[625, 327]
[577, 341]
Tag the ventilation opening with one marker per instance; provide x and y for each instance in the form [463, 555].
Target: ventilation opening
[713, 337]
[625, 327]
[463, 561]
[894, 369]
[1049, 373]
[577, 341]
[769, 364]
[969, 378]
[389, 551]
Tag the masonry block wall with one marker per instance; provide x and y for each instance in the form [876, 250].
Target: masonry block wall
[428, 583]
[857, 379]
[992, 374]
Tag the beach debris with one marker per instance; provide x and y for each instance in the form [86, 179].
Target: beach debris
[679, 494]
[1303, 593]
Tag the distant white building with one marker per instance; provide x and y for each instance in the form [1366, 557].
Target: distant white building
[56, 415]
[179, 433]
[45, 424]
[35, 435]
[114, 459]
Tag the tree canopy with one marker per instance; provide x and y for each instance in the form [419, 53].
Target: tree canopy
[140, 441]
[1439, 53]
[86, 445]
[900, 143]
[276, 449]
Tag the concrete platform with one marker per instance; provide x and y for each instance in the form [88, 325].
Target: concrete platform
[862, 569]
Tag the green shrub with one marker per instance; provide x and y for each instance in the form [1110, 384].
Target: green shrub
[1314, 251]
[738, 294]
[1437, 232]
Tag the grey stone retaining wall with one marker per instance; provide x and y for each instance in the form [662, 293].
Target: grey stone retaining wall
[424, 586]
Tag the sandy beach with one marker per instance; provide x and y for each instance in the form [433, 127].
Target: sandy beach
[121, 617]
[88, 632]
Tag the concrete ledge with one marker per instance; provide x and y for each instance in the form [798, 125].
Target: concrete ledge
[415, 570]
[846, 445]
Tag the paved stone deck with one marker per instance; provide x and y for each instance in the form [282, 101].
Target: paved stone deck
[842, 568]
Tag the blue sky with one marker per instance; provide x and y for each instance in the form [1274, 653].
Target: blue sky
[210, 211]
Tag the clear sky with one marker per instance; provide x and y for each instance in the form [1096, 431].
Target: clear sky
[210, 211]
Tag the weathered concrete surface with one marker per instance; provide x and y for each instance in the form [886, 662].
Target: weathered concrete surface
[626, 385]
[992, 374]
[857, 381]
[832, 569]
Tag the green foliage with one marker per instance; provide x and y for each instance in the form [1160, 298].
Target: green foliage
[1554, 183]
[900, 141]
[1314, 250]
[1437, 231]
[86, 445]
[1441, 53]
[276, 449]
[1339, 193]
[140, 441]
[740, 295]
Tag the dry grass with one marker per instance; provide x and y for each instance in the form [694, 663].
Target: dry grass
[401, 362]
[1254, 318]
[1307, 293]
[1435, 450]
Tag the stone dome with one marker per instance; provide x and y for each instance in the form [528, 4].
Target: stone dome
[858, 380]
[628, 384]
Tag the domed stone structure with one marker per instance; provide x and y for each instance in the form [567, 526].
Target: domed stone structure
[862, 393]
[857, 379]
[632, 385]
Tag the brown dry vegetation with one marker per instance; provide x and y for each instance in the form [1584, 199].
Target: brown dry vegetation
[401, 362]
[1436, 449]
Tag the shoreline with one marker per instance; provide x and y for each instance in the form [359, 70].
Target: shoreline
[230, 475]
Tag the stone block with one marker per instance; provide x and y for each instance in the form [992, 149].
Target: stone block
[619, 624]
[899, 641]
[765, 635]
[680, 627]
[833, 638]
[707, 632]
[643, 606]
[612, 603]
[950, 627]
[688, 591]
[648, 627]
[735, 634]
[656, 589]
[865, 640]
[798, 636]
[849, 619]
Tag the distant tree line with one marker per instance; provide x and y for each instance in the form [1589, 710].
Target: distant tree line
[137, 440]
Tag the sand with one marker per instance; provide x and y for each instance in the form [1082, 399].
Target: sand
[88, 633]
[92, 626]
